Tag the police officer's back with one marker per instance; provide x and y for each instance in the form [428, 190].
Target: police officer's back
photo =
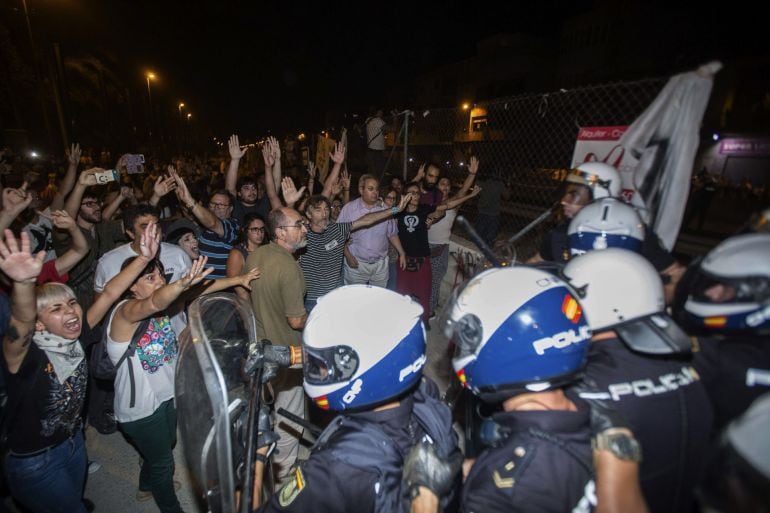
[363, 353]
[639, 360]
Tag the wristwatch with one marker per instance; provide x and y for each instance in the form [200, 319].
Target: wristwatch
[620, 442]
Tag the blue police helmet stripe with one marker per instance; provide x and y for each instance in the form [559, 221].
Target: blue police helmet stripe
[394, 374]
[537, 342]
[584, 242]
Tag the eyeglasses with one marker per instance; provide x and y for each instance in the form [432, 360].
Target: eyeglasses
[91, 204]
[257, 229]
[302, 223]
[219, 205]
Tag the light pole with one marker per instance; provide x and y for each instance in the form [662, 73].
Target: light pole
[181, 106]
[149, 76]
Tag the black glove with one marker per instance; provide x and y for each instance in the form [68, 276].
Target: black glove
[423, 467]
[603, 414]
[265, 436]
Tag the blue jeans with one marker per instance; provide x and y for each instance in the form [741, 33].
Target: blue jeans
[52, 481]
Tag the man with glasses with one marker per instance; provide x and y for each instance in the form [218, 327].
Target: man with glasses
[85, 205]
[220, 229]
[277, 298]
[321, 263]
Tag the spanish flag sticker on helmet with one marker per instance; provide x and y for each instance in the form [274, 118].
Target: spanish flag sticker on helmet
[571, 309]
[322, 402]
[715, 322]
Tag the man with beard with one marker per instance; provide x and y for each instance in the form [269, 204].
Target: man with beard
[277, 298]
[102, 236]
[428, 176]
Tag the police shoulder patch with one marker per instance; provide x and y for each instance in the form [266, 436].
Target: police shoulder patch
[291, 489]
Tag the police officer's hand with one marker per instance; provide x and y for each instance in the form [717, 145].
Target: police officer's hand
[603, 415]
[265, 436]
[424, 467]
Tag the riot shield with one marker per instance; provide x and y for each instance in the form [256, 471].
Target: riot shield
[211, 393]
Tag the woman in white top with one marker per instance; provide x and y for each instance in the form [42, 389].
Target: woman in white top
[144, 383]
[440, 232]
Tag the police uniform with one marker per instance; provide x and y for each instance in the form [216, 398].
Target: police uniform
[556, 247]
[735, 371]
[666, 405]
[354, 468]
[544, 465]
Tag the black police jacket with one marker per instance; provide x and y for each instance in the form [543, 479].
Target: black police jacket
[735, 371]
[356, 464]
[667, 407]
[544, 465]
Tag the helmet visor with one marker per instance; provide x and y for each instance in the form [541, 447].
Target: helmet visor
[329, 365]
[709, 289]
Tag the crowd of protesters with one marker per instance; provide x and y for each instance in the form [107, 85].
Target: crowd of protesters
[113, 254]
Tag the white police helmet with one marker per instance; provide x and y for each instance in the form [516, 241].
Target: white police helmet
[729, 289]
[362, 346]
[606, 223]
[602, 179]
[516, 329]
[621, 291]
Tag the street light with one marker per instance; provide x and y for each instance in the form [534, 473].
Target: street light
[149, 76]
[181, 105]
[189, 116]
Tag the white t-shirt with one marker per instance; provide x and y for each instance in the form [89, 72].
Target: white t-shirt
[440, 232]
[153, 363]
[175, 263]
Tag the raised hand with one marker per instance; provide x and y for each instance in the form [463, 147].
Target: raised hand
[235, 148]
[18, 263]
[196, 273]
[290, 193]
[73, 154]
[404, 201]
[345, 179]
[267, 156]
[88, 177]
[420, 173]
[246, 279]
[62, 220]
[475, 191]
[16, 200]
[127, 192]
[275, 148]
[311, 170]
[338, 155]
[182, 192]
[150, 241]
[473, 167]
[164, 185]
[336, 187]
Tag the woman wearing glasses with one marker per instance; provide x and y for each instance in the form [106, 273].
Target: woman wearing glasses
[253, 235]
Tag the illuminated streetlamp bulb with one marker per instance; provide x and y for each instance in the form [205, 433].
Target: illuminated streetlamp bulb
[150, 76]
[466, 106]
[181, 105]
[189, 115]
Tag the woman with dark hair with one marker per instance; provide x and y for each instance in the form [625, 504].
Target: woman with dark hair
[144, 383]
[392, 198]
[253, 235]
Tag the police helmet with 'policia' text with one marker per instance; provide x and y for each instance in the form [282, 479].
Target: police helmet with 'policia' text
[606, 223]
[621, 291]
[729, 289]
[361, 347]
[516, 330]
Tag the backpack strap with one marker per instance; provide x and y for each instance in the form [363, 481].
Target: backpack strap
[130, 350]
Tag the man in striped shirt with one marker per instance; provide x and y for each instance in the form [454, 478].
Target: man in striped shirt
[220, 231]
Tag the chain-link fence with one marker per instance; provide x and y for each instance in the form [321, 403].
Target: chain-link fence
[526, 142]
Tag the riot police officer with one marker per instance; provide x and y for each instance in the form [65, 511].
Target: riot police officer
[639, 360]
[725, 299]
[520, 337]
[363, 354]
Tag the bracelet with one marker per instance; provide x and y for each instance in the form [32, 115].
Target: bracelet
[192, 207]
[261, 457]
[394, 211]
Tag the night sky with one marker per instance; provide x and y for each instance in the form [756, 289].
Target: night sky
[252, 66]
